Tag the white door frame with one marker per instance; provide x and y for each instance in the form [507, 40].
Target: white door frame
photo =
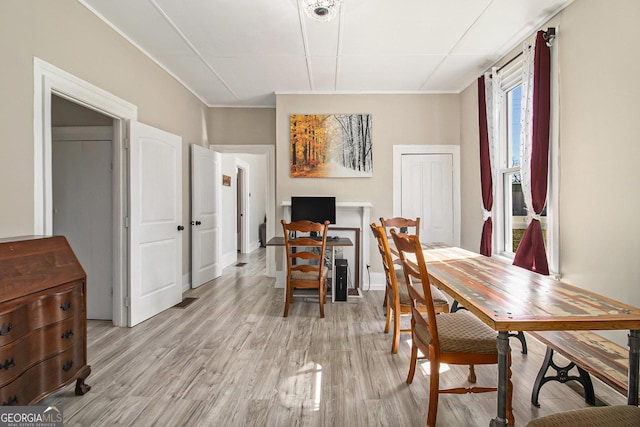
[270, 152]
[48, 80]
[454, 151]
[245, 203]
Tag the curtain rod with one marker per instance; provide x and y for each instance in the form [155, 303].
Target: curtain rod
[511, 60]
[548, 35]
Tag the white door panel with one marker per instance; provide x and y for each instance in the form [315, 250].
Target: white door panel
[206, 181]
[427, 192]
[156, 215]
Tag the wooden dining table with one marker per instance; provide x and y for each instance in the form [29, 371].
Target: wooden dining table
[510, 298]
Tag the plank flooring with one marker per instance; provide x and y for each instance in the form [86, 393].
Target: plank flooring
[231, 359]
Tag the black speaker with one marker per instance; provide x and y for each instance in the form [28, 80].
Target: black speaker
[341, 280]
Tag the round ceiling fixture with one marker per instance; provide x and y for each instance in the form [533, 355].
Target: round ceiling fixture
[321, 10]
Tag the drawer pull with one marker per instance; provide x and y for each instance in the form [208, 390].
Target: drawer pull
[13, 400]
[68, 365]
[5, 329]
[68, 333]
[65, 305]
[8, 364]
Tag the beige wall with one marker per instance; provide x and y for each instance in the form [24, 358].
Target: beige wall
[599, 148]
[396, 119]
[67, 113]
[471, 197]
[242, 126]
[67, 35]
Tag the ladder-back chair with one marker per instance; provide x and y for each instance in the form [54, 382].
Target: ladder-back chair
[311, 272]
[399, 303]
[454, 338]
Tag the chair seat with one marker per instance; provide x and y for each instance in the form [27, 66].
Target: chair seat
[308, 275]
[461, 332]
[601, 416]
[438, 296]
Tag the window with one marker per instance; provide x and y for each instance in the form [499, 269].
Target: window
[511, 211]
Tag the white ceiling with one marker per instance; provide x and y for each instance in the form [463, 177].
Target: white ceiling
[241, 52]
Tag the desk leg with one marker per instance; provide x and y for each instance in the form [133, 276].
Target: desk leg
[333, 274]
[503, 379]
[634, 359]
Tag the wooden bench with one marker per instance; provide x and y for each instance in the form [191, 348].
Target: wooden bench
[590, 353]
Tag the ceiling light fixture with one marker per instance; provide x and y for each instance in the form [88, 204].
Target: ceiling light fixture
[321, 10]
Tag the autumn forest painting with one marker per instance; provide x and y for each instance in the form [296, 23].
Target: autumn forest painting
[330, 145]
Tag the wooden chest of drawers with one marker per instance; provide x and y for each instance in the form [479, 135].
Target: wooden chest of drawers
[43, 320]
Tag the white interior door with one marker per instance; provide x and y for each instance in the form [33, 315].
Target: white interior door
[206, 187]
[427, 192]
[155, 168]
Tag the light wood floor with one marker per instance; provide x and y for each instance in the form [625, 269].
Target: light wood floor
[231, 359]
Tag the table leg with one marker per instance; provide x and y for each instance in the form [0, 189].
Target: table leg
[503, 379]
[634, 359]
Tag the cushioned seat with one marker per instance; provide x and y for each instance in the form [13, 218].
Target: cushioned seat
[601, 416]
[308, 275]
[461, 332]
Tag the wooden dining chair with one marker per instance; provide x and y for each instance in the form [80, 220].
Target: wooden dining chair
[454, 338]
[399, 303]
[403, 225]
[305, 260]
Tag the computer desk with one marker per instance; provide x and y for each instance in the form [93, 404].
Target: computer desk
[333, 244]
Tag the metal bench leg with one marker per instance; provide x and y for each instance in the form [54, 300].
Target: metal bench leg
[562, 375]
[523, 341]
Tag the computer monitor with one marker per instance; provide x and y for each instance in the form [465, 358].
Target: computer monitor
[316, 209]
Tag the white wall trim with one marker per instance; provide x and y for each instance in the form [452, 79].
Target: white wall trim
[553, 191]
[270, 152]
[378, 282]
[454, 150]
[228, 259]
[49, 80]
[186, 282]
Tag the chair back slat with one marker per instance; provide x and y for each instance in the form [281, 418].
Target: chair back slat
[385, 254]
[305, 259]
[402, 224]
[414, 277]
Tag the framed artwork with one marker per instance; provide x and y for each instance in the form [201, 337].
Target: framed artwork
[330, 146]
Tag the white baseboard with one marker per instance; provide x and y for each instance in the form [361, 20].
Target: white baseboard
[186, 282]
[228, 259]
[253, 246]
[378, 282]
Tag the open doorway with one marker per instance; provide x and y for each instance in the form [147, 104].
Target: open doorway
[82, 185]
[49, 80]
[267, 193]
[243, 206]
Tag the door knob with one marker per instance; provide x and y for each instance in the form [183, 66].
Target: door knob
[180, 228]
